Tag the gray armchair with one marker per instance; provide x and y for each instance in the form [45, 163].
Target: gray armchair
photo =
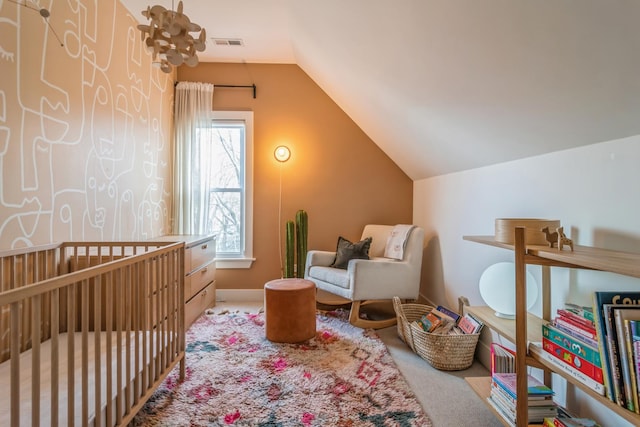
[367, 281]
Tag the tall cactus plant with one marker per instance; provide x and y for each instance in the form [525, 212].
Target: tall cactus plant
[301, 242]
[289, 250]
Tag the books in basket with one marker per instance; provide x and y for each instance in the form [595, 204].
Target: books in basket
[568, 370]
[469, 324]
[438, 321]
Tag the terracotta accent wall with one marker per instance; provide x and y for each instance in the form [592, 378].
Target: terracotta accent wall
[84, 127]
[336, 173]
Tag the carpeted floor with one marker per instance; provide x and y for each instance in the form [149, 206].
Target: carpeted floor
[344, 377]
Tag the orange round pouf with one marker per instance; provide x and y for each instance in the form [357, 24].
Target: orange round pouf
[290, 310]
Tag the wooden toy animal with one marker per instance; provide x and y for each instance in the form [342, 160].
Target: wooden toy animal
[550, 236]
[563, 240]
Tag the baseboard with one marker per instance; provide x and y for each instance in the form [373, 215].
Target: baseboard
[239, 295]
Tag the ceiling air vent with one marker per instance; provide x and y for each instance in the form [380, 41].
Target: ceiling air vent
[228, 42]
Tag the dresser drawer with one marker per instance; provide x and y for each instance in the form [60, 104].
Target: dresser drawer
[199, 255]
[199, 303]
[196, 280]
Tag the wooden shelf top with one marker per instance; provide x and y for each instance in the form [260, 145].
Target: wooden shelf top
[507, 327]
[625, 263]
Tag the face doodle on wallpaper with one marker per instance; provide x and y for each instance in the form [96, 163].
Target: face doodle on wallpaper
[84, 127]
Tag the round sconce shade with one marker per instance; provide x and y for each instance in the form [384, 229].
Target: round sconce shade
[498, 289]
[282, 153]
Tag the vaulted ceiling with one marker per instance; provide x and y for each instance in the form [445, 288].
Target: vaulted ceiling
[448, 85]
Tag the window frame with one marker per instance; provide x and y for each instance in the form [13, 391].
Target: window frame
[246, 258]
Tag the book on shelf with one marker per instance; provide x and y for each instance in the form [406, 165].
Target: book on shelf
[586, 312]
[615, 348]
[507, 380]
[577, 328]
[574, 422]
[573, 360]
[568, 370]
[532, 400]
[503, 359]
[600, 298]
[573, 344]
[634, 329]
[577, 319]
[622, 317]
[590, 341]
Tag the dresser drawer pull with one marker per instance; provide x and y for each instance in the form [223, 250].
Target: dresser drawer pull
[204, 247]
[204, 270]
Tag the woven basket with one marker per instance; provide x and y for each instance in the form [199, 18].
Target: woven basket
[444, 352]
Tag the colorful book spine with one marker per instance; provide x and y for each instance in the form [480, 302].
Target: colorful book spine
[592, 342]
[633, 387]
[507, 381]
[452, 314]
[565, 368]
[614, 357]
[469, 325]
[586, 312]
[586, 351]
[576, 318]
[573, 360]
[622, 317]
[634, 326]
[576, 327]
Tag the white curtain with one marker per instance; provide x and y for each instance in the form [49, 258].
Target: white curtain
[193, 106]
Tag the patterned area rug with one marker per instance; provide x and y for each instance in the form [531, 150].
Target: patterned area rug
[236, 377]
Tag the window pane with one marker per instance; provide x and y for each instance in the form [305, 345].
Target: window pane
[225, 220]
[226, 156]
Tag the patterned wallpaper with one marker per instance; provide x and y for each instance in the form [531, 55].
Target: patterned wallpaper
[84, 128]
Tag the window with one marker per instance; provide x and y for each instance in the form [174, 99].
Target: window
[229, 160]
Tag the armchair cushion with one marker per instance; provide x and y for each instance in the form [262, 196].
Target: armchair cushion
[347, 251]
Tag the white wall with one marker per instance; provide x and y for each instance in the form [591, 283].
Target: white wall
[594, 191]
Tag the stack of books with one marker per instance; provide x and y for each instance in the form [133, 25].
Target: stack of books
[503, 398]
[570, 344]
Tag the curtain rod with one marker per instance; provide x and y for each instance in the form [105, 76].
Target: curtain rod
[253, 86]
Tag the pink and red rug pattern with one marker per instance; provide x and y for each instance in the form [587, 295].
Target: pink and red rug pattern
[344, 377]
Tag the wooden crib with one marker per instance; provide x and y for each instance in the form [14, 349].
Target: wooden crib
[88, 330]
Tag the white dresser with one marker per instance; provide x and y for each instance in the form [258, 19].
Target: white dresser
[200, 273]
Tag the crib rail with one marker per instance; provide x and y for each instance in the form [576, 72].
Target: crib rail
[114, 312]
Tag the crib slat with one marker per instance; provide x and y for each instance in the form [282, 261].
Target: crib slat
[84, 326]
[15, 364]
[55, 360]
[109, 344]
[71, 330]
[35, 361]
[97, 377]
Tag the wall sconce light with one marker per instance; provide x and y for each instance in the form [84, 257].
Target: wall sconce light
[282, 153]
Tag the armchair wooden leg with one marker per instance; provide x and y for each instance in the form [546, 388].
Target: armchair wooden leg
[355, 320]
